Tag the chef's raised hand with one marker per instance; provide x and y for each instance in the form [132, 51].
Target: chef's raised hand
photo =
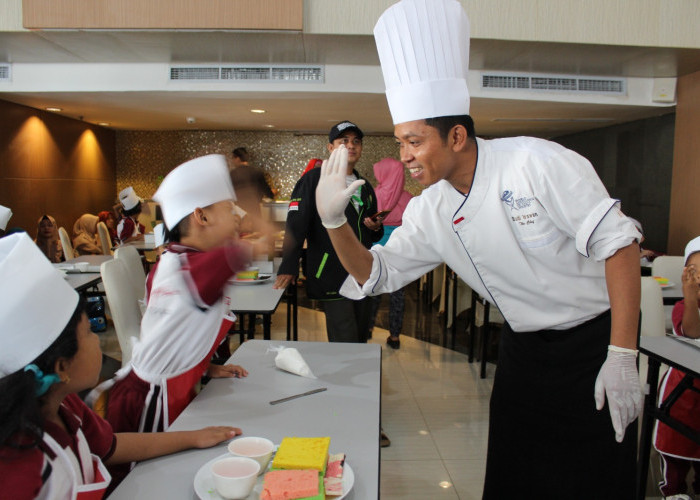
[618, 380]
[332, 194]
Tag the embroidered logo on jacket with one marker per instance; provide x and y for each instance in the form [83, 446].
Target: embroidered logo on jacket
[516, 203]
[293, 206]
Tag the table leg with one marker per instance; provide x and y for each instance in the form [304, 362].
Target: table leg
[454, 307]
[472, 327]
[295, 330]
[267, 321]
[647, 427]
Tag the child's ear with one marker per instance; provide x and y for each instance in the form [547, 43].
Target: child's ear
[199, 216]
[60, 368]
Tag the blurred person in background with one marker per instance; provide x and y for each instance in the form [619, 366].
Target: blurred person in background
[47, 239]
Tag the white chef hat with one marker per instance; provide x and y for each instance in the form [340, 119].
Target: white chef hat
[159, 234]
[36, 304]
[128, 198]
[197, 183]
[423, 48]
[692, 247]
[5, 215]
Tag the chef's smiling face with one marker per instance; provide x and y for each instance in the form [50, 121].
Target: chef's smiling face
[424, 153]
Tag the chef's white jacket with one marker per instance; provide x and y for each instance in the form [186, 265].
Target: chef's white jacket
[531, 236]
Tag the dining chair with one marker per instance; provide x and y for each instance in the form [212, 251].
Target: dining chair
[668, 266]
[134, 269]
[105, 240]
[66, 243]
[124, 308]
[653, 318]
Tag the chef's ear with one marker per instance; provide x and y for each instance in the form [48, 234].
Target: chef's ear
[458, 138]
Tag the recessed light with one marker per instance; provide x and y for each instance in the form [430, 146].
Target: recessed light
[445, 484]
[270, 126]
[103, 124]
[56, 110]
[259, 111]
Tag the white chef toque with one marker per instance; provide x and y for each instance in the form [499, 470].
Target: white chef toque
[128, 198]
[5, 215]
[423, 48]
[159, 234]
[36, 304]
[692, 247]
[197, 183]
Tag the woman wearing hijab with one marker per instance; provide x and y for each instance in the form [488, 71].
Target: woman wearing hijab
[392, 198]
[84, 240]
[111, 222]
[47, 239]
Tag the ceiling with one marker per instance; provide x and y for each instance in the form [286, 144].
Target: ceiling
[353, 92]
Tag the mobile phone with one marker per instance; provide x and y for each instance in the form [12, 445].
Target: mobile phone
[380, 215]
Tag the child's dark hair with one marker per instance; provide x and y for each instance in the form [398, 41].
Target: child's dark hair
[132, 211]
[175, 234]
[21, 422]
[241, 154]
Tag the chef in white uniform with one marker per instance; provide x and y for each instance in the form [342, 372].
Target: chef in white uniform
[529, 225]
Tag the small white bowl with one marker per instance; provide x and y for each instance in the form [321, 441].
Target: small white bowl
[235, 477]
[82, 266]
[258, 448]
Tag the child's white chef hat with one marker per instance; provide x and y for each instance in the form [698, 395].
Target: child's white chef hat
[36, 303]
[692, 247]
[197, 183]
[128, 198]
[5, 215]
[423, 48]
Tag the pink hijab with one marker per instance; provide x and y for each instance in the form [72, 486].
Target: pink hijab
[390, 192]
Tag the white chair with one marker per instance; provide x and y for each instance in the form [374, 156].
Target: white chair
[125, 310]
[668, 266]
[134, 269]
[66, 243]
[105, 240]
[653, 321]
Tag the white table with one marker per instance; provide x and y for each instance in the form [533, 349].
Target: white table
[673, 353]
[258, 298]
[82, 281]
[348, 412]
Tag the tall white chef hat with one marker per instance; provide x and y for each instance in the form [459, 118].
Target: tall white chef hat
[196, 183]
[36, 304]
[128, 198]
[423, 49]
[5, 214]
[692, 247]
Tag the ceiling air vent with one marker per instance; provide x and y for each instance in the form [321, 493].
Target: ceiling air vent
[5, 72]
[249, 73]
[553, 83]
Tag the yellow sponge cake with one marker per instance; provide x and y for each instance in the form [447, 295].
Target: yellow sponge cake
[302, 453]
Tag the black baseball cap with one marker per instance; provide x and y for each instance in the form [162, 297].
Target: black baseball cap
[342, 127]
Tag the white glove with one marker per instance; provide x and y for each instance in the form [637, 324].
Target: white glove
[619, 380]
[332, 195]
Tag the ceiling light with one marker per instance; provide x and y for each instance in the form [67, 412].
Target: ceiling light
[445, 484]
[103, 124]
[55, 110]
[554, 120]
[259, 111]
[270, 126]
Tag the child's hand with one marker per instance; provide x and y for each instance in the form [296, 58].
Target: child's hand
[227, 371]
[211, 436]
[691, 282]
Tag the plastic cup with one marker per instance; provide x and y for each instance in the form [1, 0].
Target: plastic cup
[235, 477]
[82, 266]
[257, 448]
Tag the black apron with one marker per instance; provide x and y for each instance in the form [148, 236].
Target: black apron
[546, 438]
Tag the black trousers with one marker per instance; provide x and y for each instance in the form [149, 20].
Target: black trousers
[347, 320]
[547, 440]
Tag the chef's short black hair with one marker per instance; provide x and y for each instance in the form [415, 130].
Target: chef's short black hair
[180, 230]
[445, 123]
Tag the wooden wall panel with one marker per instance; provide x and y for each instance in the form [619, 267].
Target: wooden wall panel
[53, 164]
[684, 222]
[163, 14]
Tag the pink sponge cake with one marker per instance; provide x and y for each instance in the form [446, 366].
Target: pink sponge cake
[291, 484]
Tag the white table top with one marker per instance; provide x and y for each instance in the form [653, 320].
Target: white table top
[672, 352]
[254, 298]
[81, 281]
[348, 412]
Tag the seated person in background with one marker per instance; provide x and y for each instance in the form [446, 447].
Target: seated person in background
[47, 239]
[84, 236]
[646, 256]
[51, 444]
[678, 453]
[5, 215]
[249, 183]
[187, 315]
[129, 228]
[313, 163]
[111, 222]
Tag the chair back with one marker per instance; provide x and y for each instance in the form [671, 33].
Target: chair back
[66, 243]
[134, 269]
[653, 322]
[668, 266]
[105, 240]
[125, 310]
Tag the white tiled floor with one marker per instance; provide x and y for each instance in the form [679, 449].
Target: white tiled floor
[434, 410]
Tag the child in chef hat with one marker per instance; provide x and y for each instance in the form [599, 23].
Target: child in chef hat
[187, 314]
[51, 444]
[128, 227]
[678, 453]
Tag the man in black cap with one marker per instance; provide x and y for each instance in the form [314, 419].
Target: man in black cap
[346, 320]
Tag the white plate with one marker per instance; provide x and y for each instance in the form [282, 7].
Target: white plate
[263, 279]
[204, 482]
